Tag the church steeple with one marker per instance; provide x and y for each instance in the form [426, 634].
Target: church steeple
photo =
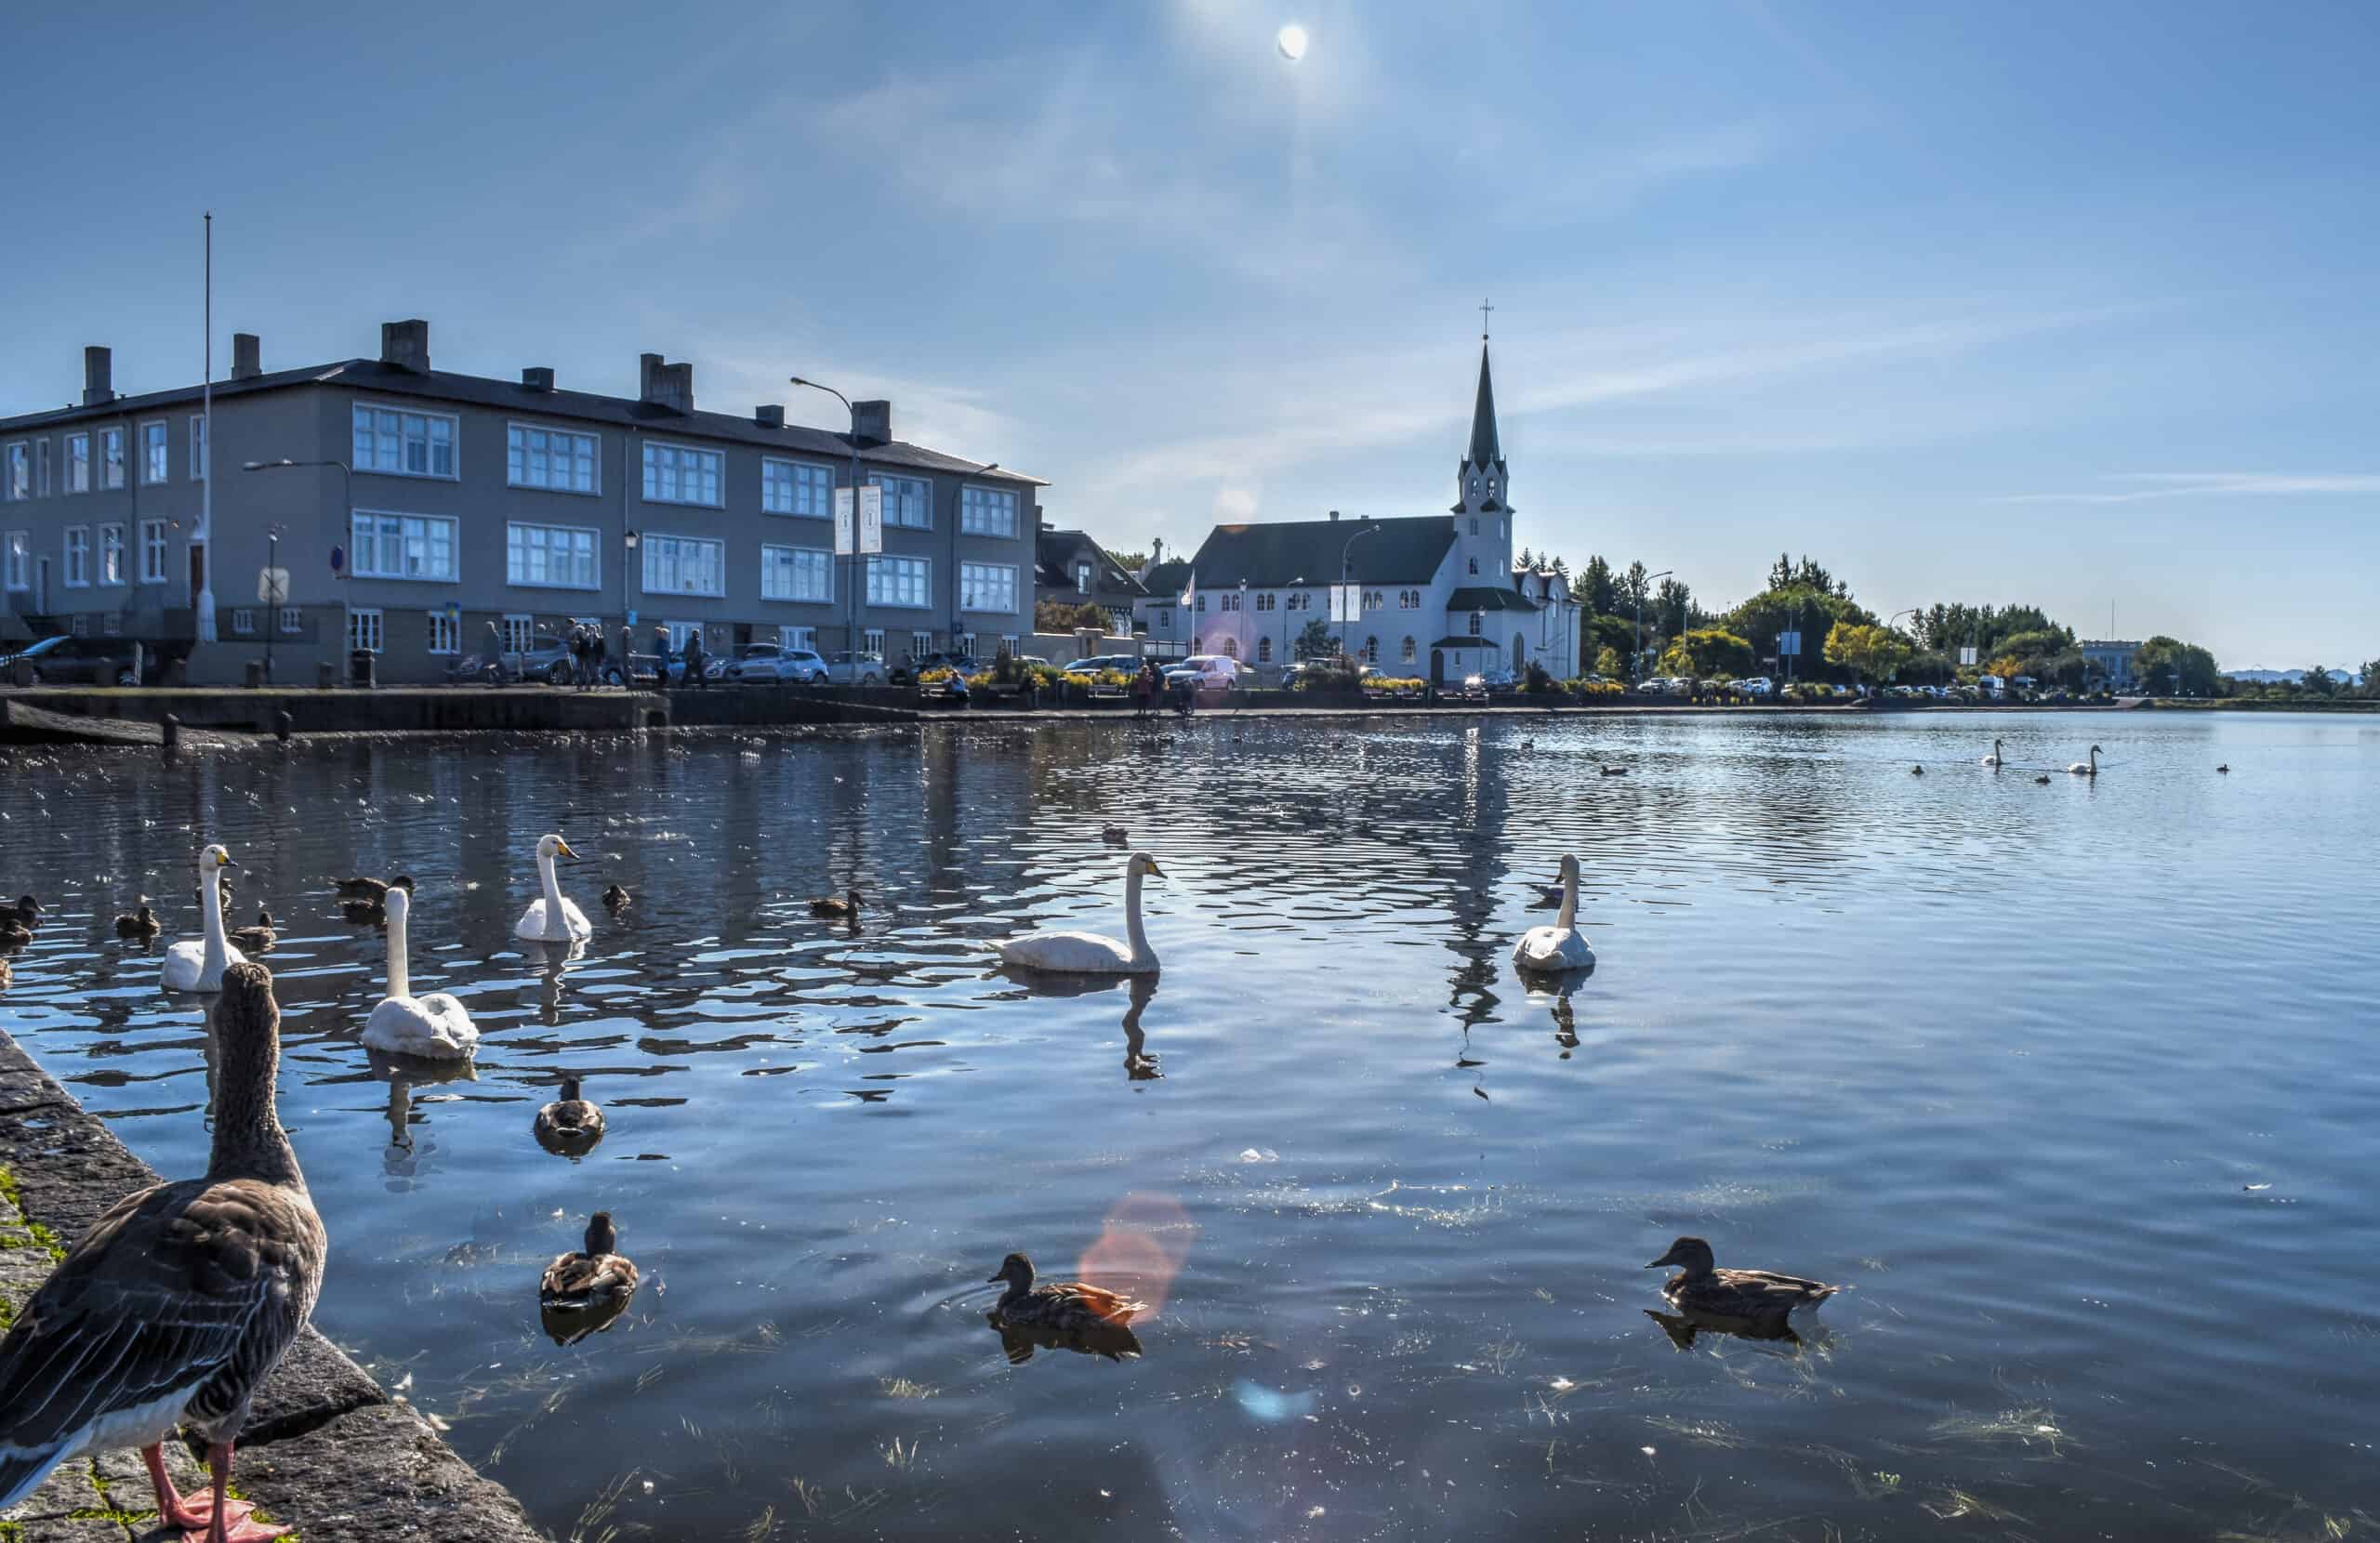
[1485, 449]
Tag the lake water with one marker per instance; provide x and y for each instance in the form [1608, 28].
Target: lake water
[2071, 1084]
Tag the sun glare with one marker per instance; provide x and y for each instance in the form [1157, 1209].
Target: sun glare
[1290, 40]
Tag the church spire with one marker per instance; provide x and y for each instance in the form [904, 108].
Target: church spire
[1485, 449]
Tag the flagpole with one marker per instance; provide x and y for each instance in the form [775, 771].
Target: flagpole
[203, 601]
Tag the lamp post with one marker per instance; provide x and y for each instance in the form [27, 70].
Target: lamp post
[851, 628]
[1343, 626]
[630, 539]
[274, 534]
[1636, 661]
[1246, 648]
[1287, 659]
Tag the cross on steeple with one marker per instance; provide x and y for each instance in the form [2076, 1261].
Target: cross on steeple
[1484, 309]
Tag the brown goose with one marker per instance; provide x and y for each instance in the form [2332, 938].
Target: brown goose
[827, 905]
[594, 1278]
[257, 938]
[374, 890]
[570, 1125]
[142, 923]
[179, 1303]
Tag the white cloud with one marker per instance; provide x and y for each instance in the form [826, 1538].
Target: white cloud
[1235, 504]
[2150, 485]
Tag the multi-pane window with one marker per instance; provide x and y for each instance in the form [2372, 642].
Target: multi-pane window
[40, 466]
[153, 551]
[403, 547]
[684, 565]
[111, 458]
[1264, 649]
[402, 444]
[445, 632]
[198, 448]
[19, 549]
[897, 580]
[872, 640]
[78, 556]
[520, 632]
[989, 511]
[920, 644]
[20, 483]
[1082, 578]
[363, 628]
[797, 573]
[907, 500]
[1409, 600]
[1371, 650]
[291, 621]
[111, 554]
[78, 463]
[243, 622]
[152, 454]
[82, 625]
[1411, 647]
[674, 474]
[1474, 624]
[986, 587]
[797, 487]
[554, 459]
[551, 557]
[798, 636]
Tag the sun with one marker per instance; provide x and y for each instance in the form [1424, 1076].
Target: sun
[1290, 40]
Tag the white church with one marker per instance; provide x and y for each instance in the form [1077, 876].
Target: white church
[1440, 597]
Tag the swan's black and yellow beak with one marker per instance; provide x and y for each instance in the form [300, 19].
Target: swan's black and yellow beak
[224, 861]
[1154, 869]
[562, 848]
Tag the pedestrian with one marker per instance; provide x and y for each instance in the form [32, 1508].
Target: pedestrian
[586, 656]
[695, 659]
[660, 656]
[1144, 687]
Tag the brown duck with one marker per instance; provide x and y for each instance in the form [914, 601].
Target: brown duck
[844, 909]
[1059, 1304]
[616, 897]
[570, 1126]
[142, 923]
[1730, 1298]
[174, 1308]
[594, 1278]
[372, 890]
[257, 938]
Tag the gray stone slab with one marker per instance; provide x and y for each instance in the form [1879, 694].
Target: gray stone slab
[378, 1475]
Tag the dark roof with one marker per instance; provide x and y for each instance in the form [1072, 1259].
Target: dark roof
[1467, 642]
[1284, 552]
[1487, 598]
[1485, 449]
[383, 379]
[1054, 552]
[1167, 580]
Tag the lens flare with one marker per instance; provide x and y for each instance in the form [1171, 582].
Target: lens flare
[1290, 40]
[1140, 1249]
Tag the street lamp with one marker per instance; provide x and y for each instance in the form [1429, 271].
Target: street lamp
[1637, 659]
[1344, 647]
[273, 534]
[628, 629]
[1247, 649]
[1295, 585]
[850, 630]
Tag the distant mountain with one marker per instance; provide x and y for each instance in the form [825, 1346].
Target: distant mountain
[2291, 677]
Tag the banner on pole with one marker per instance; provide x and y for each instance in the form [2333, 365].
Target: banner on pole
[843, 544]
[1788, 646]
[1968, 656]
[1346, 603]
[871, 520]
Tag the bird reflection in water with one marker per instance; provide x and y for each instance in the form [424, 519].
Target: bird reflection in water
[1682, 1326]
[1114, 1341]
[553, 961]
[1140, 1064]
[566, 1326]
[399, 1160]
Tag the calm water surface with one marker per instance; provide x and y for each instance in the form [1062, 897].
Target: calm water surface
[2071, 1083]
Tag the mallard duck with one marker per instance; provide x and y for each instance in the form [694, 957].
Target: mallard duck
[1917, 771]
[142, 923]
[2042, 779]
[374, 889]
[1115, 836]
[258, 938]
[593, 1277]
[1615, 770]
[1751, 1297]
[570, 1124]
[827, 905]
[222, 891]
[1018, 1341]
[616, 897]
[1059, 1305]
[14, 933]
[179, 1303]
[2225, 769]
[364, 912]
[28, 910]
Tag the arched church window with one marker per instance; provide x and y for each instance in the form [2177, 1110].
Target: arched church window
[1264, 651]
[1410, 648]
[1231, 648]
[1371, 650]
[1474, 624]
[1474, 567]
[1475, 525]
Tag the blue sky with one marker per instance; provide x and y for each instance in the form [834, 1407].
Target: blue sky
[2068, 305]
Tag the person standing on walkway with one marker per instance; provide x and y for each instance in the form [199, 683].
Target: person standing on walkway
[660, 657]
[695, 660]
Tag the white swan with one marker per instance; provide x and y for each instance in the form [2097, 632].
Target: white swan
[1088, 953]
[200, 966]
[434, 1027]
[2087, 769]
[551, 918]
[1993, 760]
[1562, 945]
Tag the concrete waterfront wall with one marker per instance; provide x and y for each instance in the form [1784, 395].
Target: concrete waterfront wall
[326, 1449]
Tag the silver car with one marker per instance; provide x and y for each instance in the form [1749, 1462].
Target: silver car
[847, 668]
[767, 662]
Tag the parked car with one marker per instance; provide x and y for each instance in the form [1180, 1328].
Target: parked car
[905, 671]
[1758, 685]
[64, 661]
[848, 668]
[1652, 686]
[1493, 681]
[1209, 672]
[757, 662]
[1123, 664]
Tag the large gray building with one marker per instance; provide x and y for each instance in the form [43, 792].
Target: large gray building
[427, 506]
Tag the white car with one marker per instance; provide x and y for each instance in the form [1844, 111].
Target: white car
[1758, 685]
[1209, 672]
[767, 662]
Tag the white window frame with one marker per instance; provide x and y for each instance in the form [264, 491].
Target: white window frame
[111, 546]
[512, 578]
[17, 559]
[366, 621]
[157, 458]
[355, 547]
[885, 479]
[794, 487]
[77, 443]
[428, 442]
[646, 463]
[17, 482]
[871, 641]
[451, 626]
[648, 548]
[517, 632]
[198, 448]
[111, 624]
[920, 644]
[82, 628]
[292, 621]
[519, 457]
[40, 466]
[112, 467]
[154, 539]
[243, 622]
[973, 500]
[827, 563]
[75, 550]
[924, 586]
[791, 637]
[979, 571]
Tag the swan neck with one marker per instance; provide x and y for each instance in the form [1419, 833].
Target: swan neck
[210, 899]
[1569, 915]
[552, 885]
[399, 974]
[1132, 933]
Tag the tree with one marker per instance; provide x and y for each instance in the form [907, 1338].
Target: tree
[2168, 667]
[1315, 640]
[1781, 575]
[1061, 616]
[1872, 653]
[1707, 651]
[2371, 677]
[1808, 612]
[1525, 564]
[1607, 664]
[1675, 605]
[2317, 681]
[1615, 634]
[1594, 588]
[1636, 588]
[1132, 562]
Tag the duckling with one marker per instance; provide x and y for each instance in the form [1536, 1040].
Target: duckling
[1917, 771]
[827, 905]
[616, 897]
[1748, 1297]
[2225, 769]
[142, 923]
[1059, 1305]
[592, 1278]
[2042, 779]
[1615, 770]
[257, 938]
[1115, 836]
[376, 890]
[570, 1125]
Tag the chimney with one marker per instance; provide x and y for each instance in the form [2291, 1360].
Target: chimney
[247, 356]
[667, 385]
[537, 377]
[1334, 516]
[770, 416]
[97, 372]
[874, 421]
[406, 345]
